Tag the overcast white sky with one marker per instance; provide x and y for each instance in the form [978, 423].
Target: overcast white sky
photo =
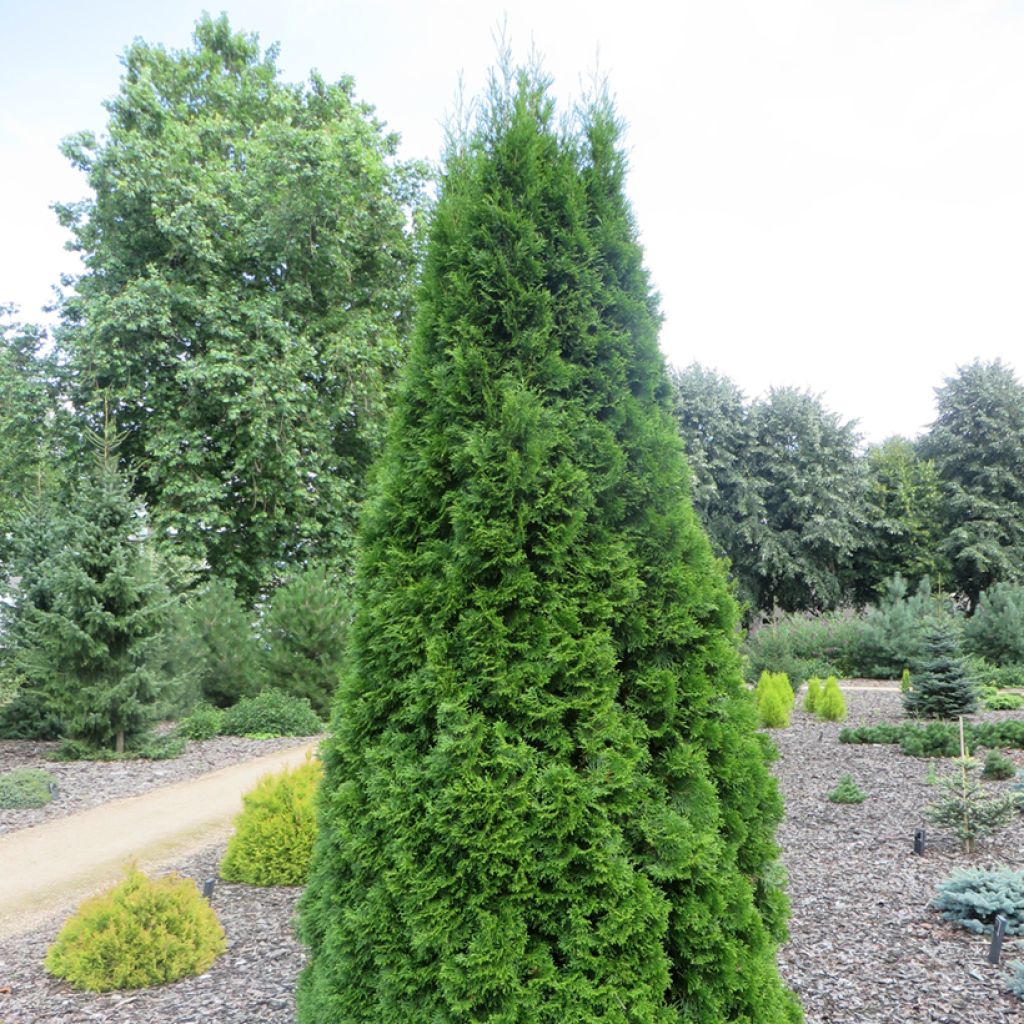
[830, 192]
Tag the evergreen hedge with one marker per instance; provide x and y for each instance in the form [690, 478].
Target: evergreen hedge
[544, 799]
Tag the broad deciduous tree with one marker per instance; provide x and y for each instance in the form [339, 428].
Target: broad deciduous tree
[248, 262]
[977, 444]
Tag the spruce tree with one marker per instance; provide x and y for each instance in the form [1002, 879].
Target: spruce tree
[544, 799]
[91, 615]
[940, 686]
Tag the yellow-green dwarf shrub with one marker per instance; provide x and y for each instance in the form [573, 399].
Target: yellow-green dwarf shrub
[813, 694]
[142, 932]
[274, 834]
[832, 705]
[775, 700]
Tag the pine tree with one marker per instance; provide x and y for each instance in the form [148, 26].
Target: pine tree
[939, 684]
[91, 621]
[544, 798]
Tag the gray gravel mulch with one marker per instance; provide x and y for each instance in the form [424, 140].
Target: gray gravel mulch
[864, 946]
[85, 784]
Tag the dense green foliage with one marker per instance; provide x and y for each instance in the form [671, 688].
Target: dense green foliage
[244, 299]
[940, 686]
[778, 486]
[996, 629]
[846, 791]
[303, 637]
[812, 695]
[273, 839]
[977, 445]
[271, 713]
[222, 657]
[894, 629]
[25, 787]
[993, 700]
[902, 529]
[812, 502]
[145, 747]
[773, 473]
[974, 897]
[544, 799]
[142, 932]
[714, 425]
[31, 452]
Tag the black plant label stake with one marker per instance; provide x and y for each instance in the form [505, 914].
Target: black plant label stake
[919, 842]
[998, 934]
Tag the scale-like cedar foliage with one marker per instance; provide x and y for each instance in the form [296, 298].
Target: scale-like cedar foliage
[544, 798]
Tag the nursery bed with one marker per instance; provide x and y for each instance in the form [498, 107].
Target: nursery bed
[864, 947]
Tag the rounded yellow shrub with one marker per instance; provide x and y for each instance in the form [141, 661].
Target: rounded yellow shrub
[274, 834]
[142, 932]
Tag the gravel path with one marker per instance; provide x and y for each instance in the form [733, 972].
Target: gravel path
[864, 947]
[85, 784]
[49, 868]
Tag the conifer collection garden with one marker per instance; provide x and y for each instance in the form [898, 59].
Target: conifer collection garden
[545, 795]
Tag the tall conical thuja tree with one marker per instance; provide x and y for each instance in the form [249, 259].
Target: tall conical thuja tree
[544, 799]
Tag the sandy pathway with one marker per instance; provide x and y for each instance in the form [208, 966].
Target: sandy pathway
[45, 870]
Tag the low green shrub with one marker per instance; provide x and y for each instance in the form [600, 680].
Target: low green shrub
[813, 694]
[142, 932]
[998, 766]
[23, 788]
[973, 897]
[804, 645]
[272, 713]
[967, 809]
[996, 677]
[274, 834]
[146, 748]
[847, 792]
[997, 701]
[940, 739]
[203, 723]
[831, 705]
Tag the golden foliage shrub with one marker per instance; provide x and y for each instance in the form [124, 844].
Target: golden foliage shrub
[274, 834]
[142, 932]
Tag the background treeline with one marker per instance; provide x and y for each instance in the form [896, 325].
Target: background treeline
[809, 523]
[182, 463]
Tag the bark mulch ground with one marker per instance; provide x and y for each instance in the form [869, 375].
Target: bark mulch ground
[864, 946]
